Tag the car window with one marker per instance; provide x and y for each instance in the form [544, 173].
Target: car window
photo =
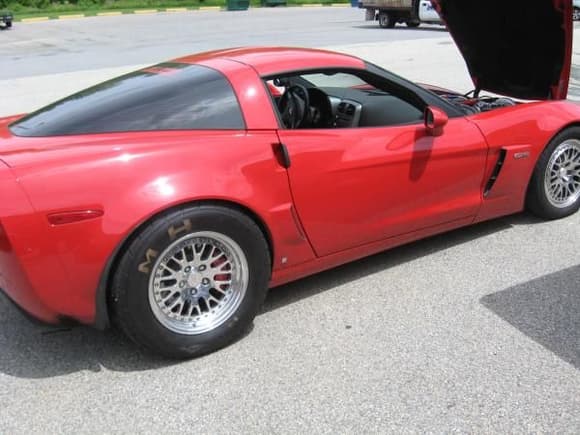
[334, 80]
[168, 96]
[339, 99]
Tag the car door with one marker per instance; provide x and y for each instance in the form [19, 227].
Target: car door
[353, 186]
[427, 12]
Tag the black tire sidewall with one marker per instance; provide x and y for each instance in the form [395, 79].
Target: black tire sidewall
[131, 285]
[386, 20]
[537, 200]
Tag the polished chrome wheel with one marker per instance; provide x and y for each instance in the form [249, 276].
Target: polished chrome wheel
[562, 176]
[199, 281]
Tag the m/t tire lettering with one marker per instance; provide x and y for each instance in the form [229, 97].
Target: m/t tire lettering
[149, 256]
[173, 232]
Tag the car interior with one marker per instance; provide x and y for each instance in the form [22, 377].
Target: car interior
[338, 99]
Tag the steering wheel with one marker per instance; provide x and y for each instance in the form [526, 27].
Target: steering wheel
[294, 106]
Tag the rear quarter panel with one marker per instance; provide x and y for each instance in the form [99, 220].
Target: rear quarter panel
[132, 177]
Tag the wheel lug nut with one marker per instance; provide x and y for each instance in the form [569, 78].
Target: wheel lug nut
[187, 269]
[205, 281]
[193, 292]
[182, 284]
[202, 268]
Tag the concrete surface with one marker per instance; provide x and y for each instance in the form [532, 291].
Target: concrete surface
[42, 62]
[473, 331]
[45, 61]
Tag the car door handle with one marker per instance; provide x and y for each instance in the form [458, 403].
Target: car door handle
[282, 155]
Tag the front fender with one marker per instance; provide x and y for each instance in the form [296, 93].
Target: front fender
[522, 131]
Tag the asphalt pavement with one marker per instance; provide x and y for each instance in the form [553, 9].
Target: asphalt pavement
[101, 42]
[477, 330]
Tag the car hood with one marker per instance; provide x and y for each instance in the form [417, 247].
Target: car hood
[518, 49]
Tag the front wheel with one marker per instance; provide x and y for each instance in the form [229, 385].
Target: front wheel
[192, 281]
[387, 20]
[555, 186]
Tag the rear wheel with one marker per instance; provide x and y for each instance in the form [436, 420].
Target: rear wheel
[387, 20]
[192, 282]
[555, 186]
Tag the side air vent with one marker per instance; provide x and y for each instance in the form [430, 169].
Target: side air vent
[496, 171]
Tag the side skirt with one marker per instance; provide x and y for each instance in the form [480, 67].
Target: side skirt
[286, 275]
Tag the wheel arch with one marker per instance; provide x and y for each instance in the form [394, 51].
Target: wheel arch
[102, 317]
[571, 124]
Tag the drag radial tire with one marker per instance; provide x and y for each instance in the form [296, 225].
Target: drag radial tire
[554, 190]
[191, 281]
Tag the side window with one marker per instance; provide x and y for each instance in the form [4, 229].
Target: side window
[340, 99]
[168, 96]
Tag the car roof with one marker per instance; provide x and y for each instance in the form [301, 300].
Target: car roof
[272, 60]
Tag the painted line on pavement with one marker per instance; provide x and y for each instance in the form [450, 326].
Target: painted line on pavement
[35, 19]
[70, 17]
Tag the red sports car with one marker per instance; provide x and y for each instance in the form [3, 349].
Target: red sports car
[167, 201]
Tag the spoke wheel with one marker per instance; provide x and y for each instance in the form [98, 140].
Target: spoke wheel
[191, 281]
[554, 189]
[562, 176]
[199, 281]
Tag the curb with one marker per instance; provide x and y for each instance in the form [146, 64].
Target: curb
[166, 10]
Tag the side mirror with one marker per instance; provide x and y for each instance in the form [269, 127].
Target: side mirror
[435, 120]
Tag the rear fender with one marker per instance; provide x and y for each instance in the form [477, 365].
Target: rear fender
[134, 182]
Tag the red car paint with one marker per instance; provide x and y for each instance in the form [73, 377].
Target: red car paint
[349, 193]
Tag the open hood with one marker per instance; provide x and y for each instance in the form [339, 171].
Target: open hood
[517, 48]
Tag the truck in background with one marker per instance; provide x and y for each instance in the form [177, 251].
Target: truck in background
[390, 12]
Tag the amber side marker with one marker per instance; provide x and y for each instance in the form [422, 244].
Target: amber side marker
[68, 217]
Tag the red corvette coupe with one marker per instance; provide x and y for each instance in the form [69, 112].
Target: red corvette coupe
[167, 201]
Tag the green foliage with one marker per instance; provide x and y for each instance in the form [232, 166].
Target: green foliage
[31, 6]
[54, 7]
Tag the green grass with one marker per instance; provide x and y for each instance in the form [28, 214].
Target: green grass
[42, 8]
[20, 10]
